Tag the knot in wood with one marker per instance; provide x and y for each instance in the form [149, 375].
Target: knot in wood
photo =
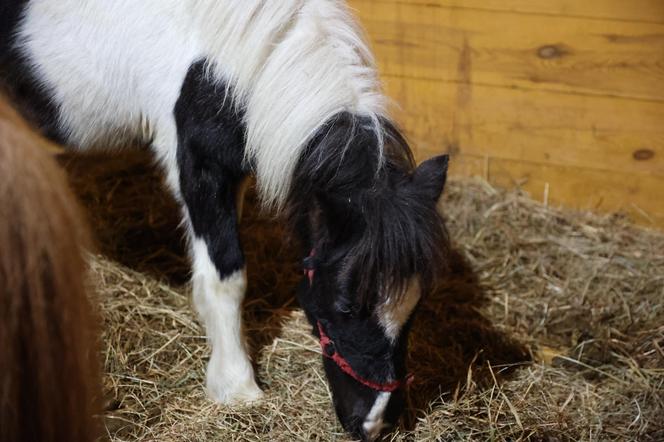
[643, 154]
[550, 51]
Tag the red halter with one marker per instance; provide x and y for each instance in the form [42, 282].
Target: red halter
[310, 267]
[330, 351]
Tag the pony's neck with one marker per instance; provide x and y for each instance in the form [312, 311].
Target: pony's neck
[293, 65]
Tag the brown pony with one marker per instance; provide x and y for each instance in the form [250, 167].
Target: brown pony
[49, 378]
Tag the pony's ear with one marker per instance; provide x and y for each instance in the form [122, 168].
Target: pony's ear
[430, 176]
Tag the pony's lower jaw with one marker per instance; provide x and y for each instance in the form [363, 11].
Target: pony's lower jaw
[226, 386]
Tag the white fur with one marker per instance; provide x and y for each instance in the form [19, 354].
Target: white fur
[393, 315]
[373, 423]
[230, 376]
[116, 68]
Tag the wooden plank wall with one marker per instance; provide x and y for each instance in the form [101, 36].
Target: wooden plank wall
[562, 97]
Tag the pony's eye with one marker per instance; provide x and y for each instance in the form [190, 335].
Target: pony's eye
[344, 308]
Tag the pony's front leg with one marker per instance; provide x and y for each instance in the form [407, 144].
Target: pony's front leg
[219, 276]
[208, 171]
[218, 296]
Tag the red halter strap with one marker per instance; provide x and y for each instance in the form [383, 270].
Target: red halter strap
[310, 267]
[329, 350]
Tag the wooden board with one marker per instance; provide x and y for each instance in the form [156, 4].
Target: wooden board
[561, 97]
[577, 188]
[585, 151]
[634, 195]
[649, 11]
[509, 49]
[601, 133]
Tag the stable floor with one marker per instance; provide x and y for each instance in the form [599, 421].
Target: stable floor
[548, 326]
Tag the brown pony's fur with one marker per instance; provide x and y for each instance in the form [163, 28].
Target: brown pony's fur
[49, 378]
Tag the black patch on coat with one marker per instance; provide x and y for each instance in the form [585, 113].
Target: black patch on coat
[211, 140]
[17, 78]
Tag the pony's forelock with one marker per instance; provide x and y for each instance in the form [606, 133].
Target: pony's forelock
[404, 237]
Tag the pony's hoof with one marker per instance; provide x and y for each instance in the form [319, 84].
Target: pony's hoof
[234, 393]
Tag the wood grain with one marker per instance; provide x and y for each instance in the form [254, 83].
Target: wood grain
[635, 196]
[601, 133]
[508, 49]
[564, 98]
[587, 189]
[648, 11]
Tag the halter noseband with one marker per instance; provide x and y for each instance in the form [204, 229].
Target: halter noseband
[330, 351]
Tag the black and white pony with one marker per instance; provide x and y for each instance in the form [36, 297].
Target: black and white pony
[285, 90]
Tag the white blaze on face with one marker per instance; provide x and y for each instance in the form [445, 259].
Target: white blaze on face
[393, 315]
[373, 424]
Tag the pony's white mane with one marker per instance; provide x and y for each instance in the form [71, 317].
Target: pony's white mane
[293, 65]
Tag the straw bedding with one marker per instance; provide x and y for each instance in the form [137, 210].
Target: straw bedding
[550, 325]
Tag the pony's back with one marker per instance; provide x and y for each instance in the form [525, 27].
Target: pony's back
[49, 380]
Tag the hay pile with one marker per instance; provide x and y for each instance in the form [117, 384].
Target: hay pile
[551, 326]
